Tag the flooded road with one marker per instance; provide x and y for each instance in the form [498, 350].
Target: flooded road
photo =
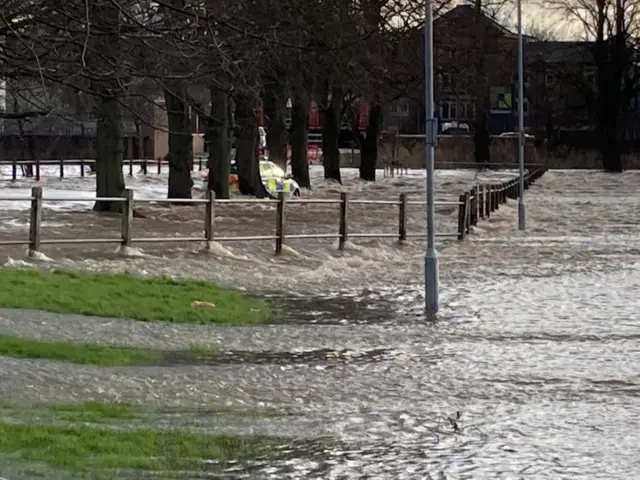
[531, 370]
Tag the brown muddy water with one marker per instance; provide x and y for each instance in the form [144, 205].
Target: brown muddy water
[537, 345]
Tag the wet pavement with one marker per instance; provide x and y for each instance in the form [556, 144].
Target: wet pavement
[530, 371]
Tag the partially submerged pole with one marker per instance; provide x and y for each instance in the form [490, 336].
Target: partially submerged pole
[431, 135]
[521, 210]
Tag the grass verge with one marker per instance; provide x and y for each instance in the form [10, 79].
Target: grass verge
[127, 296]
[102, 413]
[89, 354]
[87, 449]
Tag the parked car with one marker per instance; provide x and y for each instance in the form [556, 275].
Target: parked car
[273, 177]
[455, 128]
[514, 135]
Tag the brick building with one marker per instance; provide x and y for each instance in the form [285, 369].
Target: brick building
[559, 77]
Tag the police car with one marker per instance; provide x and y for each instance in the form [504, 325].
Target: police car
[273, 177]
[277, 181]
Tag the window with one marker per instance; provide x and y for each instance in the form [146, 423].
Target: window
[471, 111]
[193, 119]
[400, 107]
[462, 110]
[449, 111]
[453, 110]
[444, 111]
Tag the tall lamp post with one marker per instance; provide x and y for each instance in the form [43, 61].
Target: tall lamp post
[521, 214]
[431, 136]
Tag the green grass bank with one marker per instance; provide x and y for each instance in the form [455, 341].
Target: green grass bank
[128, 296]
[90, 354]
[88, 449]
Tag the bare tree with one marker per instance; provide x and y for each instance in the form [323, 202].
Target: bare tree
[612, 28]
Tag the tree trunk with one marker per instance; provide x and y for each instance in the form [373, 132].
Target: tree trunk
[369, 144]
[249, 180]
[27, 169]
[109, 150]
[481, 140]
[300, 142]
[218, 138]
[607, 54]
[610, 140]
[139, 153]
[276, 132]
[330, 135]
[180, 156]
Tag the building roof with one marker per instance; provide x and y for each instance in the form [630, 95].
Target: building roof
[468, 11]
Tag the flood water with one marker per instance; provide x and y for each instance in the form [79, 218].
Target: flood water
[536, 348]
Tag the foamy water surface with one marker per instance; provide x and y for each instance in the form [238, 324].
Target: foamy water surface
[536, 346]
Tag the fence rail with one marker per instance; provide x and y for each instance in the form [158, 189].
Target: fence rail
[482, 200]
[144, 163]
[158, 164]
[478, 203]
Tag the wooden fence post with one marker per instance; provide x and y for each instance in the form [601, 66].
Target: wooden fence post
[481, 201]
[131, 166]
[495, 201]
[474, 206]
[467, 211]
[14, 169]
[159, 165]
[35, 221]
[209, 215]
[38, 169]
[344, 236]
[144, 166]
[487, 201]
[82, 167]
[127, 218]
[61, 168]
[280, 223]
[462, 214]
[490, 207]
[402, 218]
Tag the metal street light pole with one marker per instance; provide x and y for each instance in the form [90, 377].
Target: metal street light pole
[521, 214]
[431, 135]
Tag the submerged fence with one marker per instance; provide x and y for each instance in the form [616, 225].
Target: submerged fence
[159, 165]
[146, 165]
[482, 200]
[473, 205]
